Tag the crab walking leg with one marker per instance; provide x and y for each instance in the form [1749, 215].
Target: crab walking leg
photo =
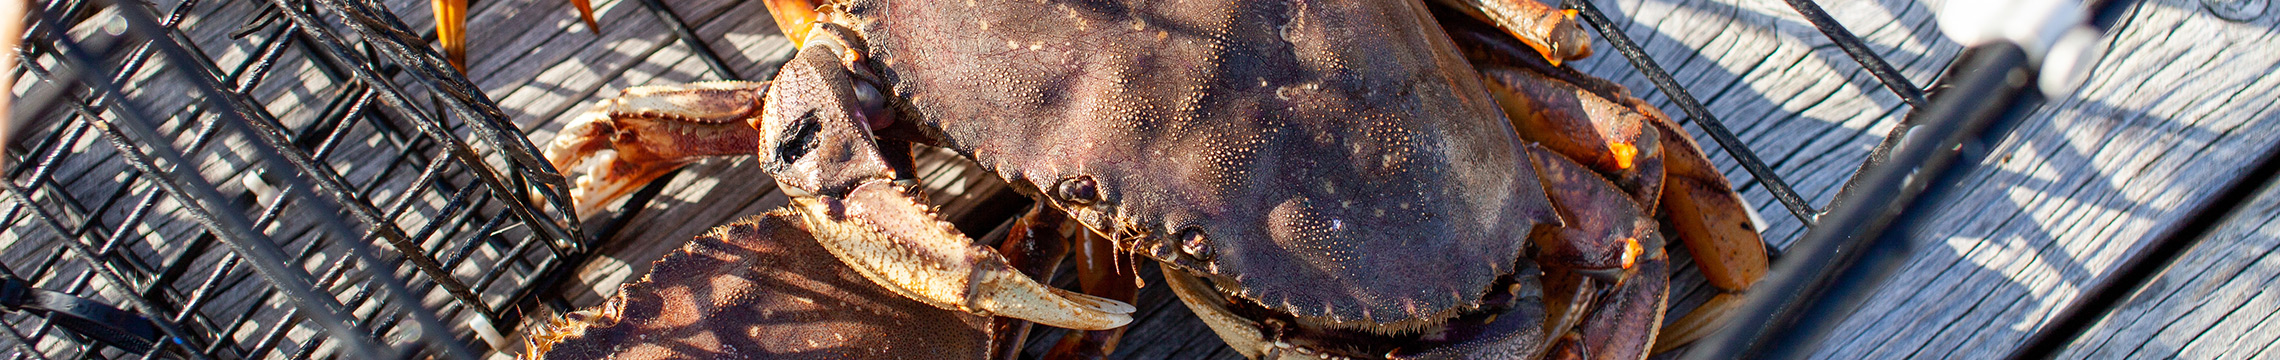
[899, 243]
[652, 130]
[794, 17]
[451, 27]
[1101, 273]
[451, 30]
[1626, 319]
[1552, 32]
[1568, 296]
[1601, 232]
[1608, 136]
[1034, 244]
[1709, 217]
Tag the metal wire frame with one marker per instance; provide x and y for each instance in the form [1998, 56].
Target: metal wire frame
[466, 228]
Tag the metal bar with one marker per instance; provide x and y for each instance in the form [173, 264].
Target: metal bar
[1694, 110]
[1837, 264]
[1860, 52]
[30, 348]
[681, 30]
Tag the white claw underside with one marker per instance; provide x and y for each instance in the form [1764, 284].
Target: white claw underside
[899, 244]
[580, 143]
[590, 194]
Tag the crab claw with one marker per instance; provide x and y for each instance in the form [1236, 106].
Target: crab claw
[896, 241]
[816, 140]
[650, 131]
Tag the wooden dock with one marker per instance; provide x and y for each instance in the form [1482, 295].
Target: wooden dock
[2181, 103]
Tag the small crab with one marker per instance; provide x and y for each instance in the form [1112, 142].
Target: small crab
[1341, 179]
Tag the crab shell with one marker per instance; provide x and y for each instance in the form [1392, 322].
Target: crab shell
[1336, 161]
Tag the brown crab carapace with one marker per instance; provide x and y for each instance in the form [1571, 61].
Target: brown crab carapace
[1376, 179]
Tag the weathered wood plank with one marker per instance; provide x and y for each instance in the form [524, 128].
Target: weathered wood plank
[2204, 306]
[2078, 186]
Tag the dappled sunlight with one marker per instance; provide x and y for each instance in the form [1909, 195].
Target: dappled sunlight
[2170, 113]
[2015, 256]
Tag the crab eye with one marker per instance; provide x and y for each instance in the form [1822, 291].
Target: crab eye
[797, 139]
[1080, 190]
[1195, 243]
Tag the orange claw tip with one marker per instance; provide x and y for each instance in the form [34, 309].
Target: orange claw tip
[1624, 154]
[1631, 252]
[586, 12]
[1569, 12]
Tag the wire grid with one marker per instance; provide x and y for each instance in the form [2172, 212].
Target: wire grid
[387, 211]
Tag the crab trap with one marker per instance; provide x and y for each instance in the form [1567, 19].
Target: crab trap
[164, 201]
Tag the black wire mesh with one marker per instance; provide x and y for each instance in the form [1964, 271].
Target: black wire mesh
[260, 183]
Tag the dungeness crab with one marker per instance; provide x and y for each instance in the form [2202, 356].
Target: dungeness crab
[1336, 179]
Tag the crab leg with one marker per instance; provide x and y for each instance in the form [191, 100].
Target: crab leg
[1034, 245]
[1626, 318]
[816, 140]
[1603, 232]
[1709, 217]
[1609, 137]
[1700, 207]
[652, 130]
[1098, 273]
[759, 287]
[1552, 32]
[451, 27]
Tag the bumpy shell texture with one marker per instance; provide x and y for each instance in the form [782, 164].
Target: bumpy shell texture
[760, 288]
[1333, 159]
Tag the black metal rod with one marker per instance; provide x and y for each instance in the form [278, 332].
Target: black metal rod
[1860, 52]
[681, 29]
[1838, 263]
[1694, 110]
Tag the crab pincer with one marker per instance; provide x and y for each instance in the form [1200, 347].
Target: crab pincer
[816, 139]
[652, 130]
